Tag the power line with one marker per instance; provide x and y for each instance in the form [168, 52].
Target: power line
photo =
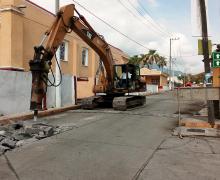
[139, 18]
[106, 23]
[149, 14]
[142, 15]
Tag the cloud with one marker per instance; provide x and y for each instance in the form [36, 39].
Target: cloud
[153, 3]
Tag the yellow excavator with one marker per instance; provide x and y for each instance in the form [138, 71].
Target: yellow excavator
[115, 81]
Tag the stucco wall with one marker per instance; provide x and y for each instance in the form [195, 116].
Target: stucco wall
[150, 88]
[83, 88]
[163, 80]
[15, 91]
[67, 92]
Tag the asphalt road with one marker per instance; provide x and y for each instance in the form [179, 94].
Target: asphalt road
[102, 144]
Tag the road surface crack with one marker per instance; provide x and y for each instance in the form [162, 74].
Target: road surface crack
[11, 167]
[144, 165]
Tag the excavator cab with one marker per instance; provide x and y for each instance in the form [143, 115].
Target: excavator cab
[126, 78]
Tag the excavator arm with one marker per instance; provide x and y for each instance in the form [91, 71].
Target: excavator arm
[64, 23]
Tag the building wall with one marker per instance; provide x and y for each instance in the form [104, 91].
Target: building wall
[152, 79]
[15, 97]
[23, 30]
[163, 80]
[11, 49]
[15, 92]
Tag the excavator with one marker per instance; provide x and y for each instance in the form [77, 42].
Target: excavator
[115, 81]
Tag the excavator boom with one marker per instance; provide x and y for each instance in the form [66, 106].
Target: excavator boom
[67, 20]
[64, 23]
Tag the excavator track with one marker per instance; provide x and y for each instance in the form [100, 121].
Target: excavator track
[120, 103]
[124, 102]
[91, 102]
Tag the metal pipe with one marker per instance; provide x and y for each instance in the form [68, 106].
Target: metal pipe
[57, 79]
[171, 85]
[43, 40]
[170, 68]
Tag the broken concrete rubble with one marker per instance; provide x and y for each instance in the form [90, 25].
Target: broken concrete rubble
[24, 133]
[39, 130]
[2, 132]
[3, 149]
[8, 142]
[19, 134]
[1, 138]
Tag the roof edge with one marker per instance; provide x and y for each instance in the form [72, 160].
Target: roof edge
[40, 7]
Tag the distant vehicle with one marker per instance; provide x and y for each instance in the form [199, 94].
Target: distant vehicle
[188, 84]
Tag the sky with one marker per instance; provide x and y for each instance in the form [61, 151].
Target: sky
[168, 19]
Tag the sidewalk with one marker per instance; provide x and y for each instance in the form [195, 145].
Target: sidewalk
[8, 119]
[189, 158]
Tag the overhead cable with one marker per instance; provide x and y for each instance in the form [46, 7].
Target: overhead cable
[149, 14]
[142, 15]
[141, 20]
[106, 23]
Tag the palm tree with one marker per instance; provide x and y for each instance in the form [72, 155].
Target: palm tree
[134, 60]
[162, 62]
[153, 58]
[150, 58]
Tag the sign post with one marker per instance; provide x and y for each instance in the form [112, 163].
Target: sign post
[216, 59]
[216, 68]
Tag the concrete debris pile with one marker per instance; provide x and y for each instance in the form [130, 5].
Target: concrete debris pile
[18, 134]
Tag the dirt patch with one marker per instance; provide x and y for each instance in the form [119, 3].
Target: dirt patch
[191, 108]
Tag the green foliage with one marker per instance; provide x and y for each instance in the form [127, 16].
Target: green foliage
[148, 59]
[197, 78]
[135, 60]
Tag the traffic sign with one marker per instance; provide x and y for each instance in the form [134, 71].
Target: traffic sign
[216, 59]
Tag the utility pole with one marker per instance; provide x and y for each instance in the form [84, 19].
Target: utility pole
[211, 116]
[57, 5]
[170, 64]
[58, 78]
[170, 59]
[173, 81]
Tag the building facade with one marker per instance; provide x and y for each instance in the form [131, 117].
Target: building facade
[154, 77]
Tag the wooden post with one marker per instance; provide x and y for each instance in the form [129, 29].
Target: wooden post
[211, 116]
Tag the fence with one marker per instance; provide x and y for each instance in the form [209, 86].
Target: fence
[196, 101]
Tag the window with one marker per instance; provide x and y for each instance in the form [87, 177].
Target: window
[155, 81]
[64, 51]
[85, 53]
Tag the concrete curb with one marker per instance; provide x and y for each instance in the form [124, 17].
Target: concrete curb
[25, 116]
[195, 131]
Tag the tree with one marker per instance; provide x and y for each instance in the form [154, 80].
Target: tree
[135, 60]
[149, 59]
[153, 58]
[162, 62]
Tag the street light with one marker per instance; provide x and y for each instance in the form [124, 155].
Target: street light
[170, 62]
